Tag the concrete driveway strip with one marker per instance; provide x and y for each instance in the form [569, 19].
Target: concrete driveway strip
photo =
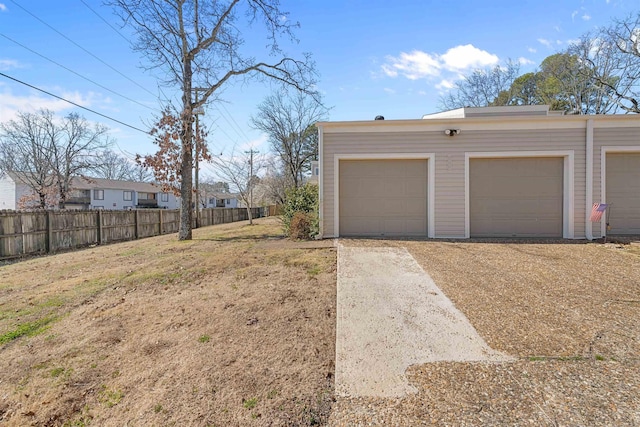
[392, 315]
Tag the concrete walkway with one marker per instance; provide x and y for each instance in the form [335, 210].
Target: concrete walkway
[391, 315]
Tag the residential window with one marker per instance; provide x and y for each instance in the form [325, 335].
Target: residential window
[164, 197]
[98, 194]
[227, 201]
[212, 200]
[316, 171]
[219, 203]
[128, 195]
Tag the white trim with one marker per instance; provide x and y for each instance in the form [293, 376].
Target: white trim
[321, 182]
[431, 183]
[568, 190]
[603, 175]
[588, 226]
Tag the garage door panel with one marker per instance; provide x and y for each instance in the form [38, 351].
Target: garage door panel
[623, 192]
[516, 197]
[383, 197]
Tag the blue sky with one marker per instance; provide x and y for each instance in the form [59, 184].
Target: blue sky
[374, 57]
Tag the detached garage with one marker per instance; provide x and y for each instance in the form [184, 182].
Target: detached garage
[496, 172]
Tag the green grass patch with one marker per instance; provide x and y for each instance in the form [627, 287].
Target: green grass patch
[110, 398]
[204, 338]
[250, 403]
[29, 329]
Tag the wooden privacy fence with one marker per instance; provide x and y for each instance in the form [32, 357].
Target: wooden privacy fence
[26, 233]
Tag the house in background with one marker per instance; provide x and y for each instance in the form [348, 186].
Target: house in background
[315, 172]
[222, 200]
[12, 189]
[481, 172]
[93, 193]
[111, 194]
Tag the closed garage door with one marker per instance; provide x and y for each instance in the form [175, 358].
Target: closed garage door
[383, 198]
[623, 192]
[516, 197]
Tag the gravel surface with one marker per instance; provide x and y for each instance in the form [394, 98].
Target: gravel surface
[570, 314]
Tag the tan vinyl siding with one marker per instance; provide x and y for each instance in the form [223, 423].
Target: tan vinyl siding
[450, 164]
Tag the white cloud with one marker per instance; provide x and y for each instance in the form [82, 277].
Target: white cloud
[389, 91]
[418, 64]
[8, 64]
[573, 14]
[10, 104]
[545, 42]
[586, 17]
[413, 65]
[446, 84]
[422, 93]
[532, 50]
[557, 28]
[524, 61]
[3, 7]
[466, 57]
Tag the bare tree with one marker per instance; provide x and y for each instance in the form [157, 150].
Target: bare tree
[49, 152]
[289, 122]
[612, 57]
[481, 88]
[111, 165]
[237, 170]
[198, 47]
[25, 148]
[74, 149]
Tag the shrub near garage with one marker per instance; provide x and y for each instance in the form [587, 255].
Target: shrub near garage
[300, 212]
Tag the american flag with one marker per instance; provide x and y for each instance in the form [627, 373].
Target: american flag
[597, 211]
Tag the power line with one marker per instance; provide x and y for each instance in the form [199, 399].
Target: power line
[106, 22]
[73, 103]
[121, 35]
[85, 50]
[77, 74]
[237, 129]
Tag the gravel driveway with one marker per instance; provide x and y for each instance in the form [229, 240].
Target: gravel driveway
[569, 312]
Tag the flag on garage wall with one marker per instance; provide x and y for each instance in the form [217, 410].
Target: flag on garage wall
[597, 211]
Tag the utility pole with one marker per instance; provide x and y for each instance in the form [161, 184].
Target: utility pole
[251, 153]
[199, 111]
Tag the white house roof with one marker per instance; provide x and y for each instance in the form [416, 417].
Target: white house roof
[519, 110]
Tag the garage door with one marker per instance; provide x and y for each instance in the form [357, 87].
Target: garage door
[383, 198]
[623, 192]
[516, 197]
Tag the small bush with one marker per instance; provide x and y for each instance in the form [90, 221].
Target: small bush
[300, 227]
[302, 200]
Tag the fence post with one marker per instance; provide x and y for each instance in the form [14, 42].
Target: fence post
[136, 220]
[100, 230]
[49, 233]
[161, 231]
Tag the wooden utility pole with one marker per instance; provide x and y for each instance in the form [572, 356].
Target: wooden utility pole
[251, 153]
[199, 111]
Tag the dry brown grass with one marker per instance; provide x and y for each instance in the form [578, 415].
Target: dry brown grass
[569, 311]
[221, 330]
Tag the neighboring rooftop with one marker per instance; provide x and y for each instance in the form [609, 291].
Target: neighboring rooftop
[521, 110]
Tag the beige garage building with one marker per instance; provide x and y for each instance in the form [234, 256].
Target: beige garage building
[480, 172]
